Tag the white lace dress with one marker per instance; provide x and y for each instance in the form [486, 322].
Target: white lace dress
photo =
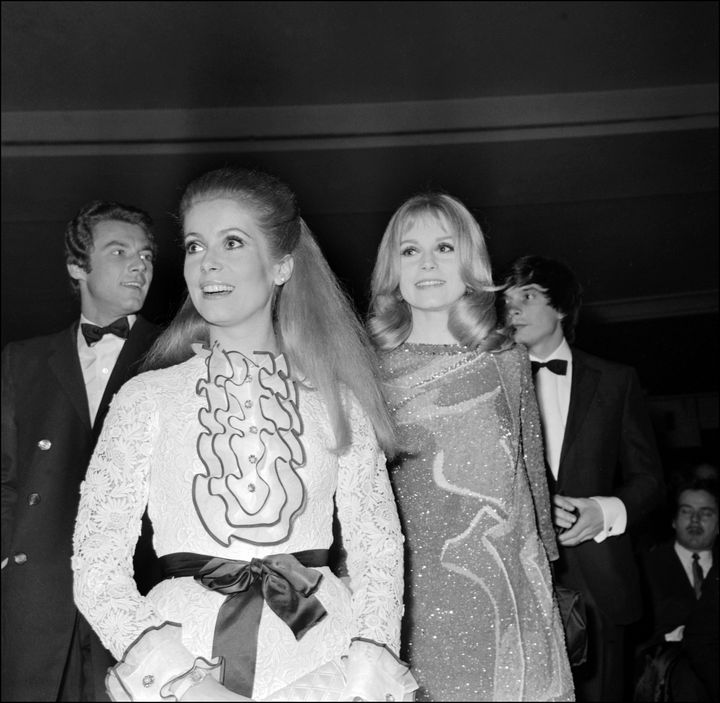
[168, 433]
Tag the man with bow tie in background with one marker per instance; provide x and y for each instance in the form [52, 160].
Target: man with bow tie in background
[56, 391]
[604, 470]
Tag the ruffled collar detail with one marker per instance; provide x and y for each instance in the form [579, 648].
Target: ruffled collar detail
[249, 446]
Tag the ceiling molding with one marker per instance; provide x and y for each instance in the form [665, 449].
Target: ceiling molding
[362, 125]
[653, 307]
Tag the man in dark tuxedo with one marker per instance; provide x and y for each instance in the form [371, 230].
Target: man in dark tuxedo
[679, 576]
[604, 470]
[56, 390]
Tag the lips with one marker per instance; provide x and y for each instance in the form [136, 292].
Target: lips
[429, 283]
[213, 289]
[133, 284]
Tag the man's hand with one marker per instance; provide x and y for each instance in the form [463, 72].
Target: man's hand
[580, 519]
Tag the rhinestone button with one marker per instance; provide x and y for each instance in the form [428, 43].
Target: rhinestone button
[148, 680]
[33, 499]
[248, 403]
[252, 459]
[20, 558]
[44, 444]
[253, 429]
[251, 487]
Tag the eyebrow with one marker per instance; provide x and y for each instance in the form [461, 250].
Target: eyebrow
[437, 239]
[531, 286]
[125, 245]
[227, 230]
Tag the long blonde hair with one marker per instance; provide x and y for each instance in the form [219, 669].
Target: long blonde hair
[472, 318]
[315, 323]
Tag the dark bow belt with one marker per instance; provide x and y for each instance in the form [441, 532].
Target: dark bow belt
[283, 581]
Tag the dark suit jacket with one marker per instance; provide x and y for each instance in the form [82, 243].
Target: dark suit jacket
[671, 593]
[695, 675]
[700, 639]
[609, 449]
[47, 442]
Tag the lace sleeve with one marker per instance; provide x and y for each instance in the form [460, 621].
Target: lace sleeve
[112, 500]
[371, 536]
[534, 456]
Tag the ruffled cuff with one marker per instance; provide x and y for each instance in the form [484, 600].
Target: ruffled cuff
[374, 673]
[158, 667]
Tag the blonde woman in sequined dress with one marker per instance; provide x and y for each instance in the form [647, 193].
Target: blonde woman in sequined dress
[263, 411]
[481, 622]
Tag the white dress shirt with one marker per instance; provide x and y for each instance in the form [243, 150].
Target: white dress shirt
[685, 556]
[553, 394]
[97, 362]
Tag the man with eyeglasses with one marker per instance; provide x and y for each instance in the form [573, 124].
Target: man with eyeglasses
[682, 581]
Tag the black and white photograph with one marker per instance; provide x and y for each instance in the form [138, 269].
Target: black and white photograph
[359, 351]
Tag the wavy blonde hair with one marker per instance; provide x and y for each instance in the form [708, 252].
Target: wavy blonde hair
[317, 328]
[472, 318]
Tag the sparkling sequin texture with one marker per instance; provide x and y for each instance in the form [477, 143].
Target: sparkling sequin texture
[480, 622]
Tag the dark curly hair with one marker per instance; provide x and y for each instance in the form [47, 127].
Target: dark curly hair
[79, 241]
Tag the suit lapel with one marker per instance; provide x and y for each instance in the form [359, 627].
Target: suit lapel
[582, 392]
[141, 337]
[65, 365]
[679, 575]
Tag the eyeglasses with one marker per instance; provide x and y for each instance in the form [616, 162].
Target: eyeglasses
[702, 513]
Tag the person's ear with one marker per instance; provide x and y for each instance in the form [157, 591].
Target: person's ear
[284, 269]
[77, 272]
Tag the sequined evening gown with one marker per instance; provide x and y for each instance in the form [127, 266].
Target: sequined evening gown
[481, 621]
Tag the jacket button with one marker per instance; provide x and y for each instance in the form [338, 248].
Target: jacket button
[33, 499]
[20, 557]
[44, 444]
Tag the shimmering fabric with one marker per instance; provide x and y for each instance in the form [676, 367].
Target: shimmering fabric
[481, 621]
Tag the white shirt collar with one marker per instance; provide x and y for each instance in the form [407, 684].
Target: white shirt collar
[687, 553]
[563, 351]
[85, 320]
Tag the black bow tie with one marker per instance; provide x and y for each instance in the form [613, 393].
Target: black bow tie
[94, 333]
[558, 366]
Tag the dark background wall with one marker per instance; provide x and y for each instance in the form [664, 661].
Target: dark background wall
[585, 131]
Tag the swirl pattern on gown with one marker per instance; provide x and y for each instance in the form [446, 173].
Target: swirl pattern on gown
[481, 620]
[250, 448]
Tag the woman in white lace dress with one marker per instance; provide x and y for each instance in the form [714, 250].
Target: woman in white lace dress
[262, 410]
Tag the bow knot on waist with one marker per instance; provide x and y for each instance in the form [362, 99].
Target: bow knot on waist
[281, 578]
[284, 581]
